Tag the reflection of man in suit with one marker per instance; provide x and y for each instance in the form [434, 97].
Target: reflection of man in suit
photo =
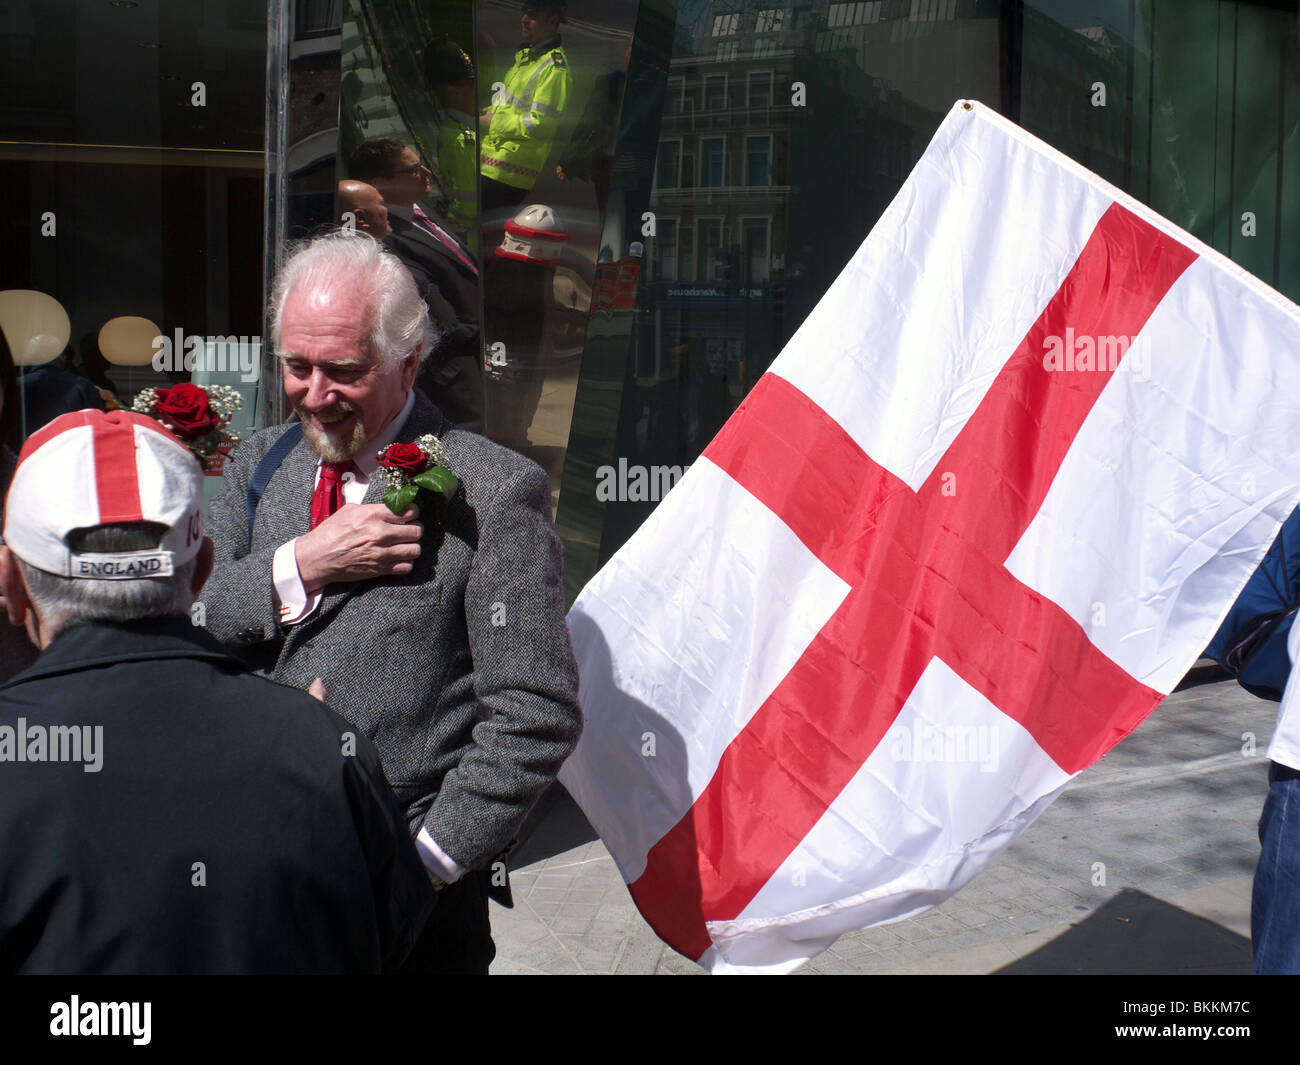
[362, 206]
[441, 635]
[443, 268]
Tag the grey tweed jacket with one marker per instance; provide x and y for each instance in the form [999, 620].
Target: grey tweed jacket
[461, 673]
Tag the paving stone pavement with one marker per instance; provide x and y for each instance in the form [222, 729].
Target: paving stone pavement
[1142, 865]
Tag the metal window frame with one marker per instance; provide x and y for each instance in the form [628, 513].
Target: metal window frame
[766, 219]
[704, 93]
[701, 157]
[677, 177]
[767, 136]
[657, 260]
[280, 18]
[700, 222]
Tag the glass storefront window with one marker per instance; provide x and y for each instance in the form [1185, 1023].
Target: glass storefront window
[132, 145]
[708, 167]
[1194, 107]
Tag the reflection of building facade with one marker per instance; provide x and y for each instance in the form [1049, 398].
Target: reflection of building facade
[716, 259]
[1064, 79]
[764, 102]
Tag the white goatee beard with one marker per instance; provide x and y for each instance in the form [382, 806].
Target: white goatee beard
[331, 448]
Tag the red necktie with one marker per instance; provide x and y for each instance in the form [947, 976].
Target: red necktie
[328, 496]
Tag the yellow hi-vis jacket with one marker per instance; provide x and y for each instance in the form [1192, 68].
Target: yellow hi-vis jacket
[526, 115]
[458, 162]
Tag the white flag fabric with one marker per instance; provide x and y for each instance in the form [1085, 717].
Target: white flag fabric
[977, 520]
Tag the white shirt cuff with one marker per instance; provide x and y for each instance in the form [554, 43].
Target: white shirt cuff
[295, 603]
[436, 860]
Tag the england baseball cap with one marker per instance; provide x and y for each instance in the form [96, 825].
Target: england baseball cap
[94, 468]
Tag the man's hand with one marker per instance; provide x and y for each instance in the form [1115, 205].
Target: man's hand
[357, 542]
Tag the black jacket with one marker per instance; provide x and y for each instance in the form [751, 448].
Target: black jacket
[48, 391]
[16, 651]
[452, 376]
[233, 825]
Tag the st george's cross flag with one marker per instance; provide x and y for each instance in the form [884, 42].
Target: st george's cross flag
[979, 517]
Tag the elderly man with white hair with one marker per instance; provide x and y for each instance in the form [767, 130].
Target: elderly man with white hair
[439, 630]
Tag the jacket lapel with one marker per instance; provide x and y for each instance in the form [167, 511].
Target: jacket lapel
[423, 243]
[424, 418]
[289, 507]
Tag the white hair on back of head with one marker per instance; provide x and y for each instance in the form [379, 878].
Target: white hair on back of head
[64, 601]
[347, 263]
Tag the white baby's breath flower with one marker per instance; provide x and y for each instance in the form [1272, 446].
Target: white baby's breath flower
[432, 446]
[224, 399]
[144, 401]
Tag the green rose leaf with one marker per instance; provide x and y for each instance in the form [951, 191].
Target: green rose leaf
[438, 479]
[398, 499]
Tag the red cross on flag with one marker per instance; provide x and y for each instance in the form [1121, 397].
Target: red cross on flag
[980, 516]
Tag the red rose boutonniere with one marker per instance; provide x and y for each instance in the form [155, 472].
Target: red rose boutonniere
[185, 410]
[410, 467]
[197, 417]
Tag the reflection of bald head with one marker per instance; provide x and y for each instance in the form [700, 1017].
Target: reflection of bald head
[367, 208]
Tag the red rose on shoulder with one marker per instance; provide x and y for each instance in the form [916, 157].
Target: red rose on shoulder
[185, 410]
[405, 457]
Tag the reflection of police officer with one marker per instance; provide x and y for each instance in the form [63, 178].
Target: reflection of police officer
[589, 155]
[450, 75]
[524, 117]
